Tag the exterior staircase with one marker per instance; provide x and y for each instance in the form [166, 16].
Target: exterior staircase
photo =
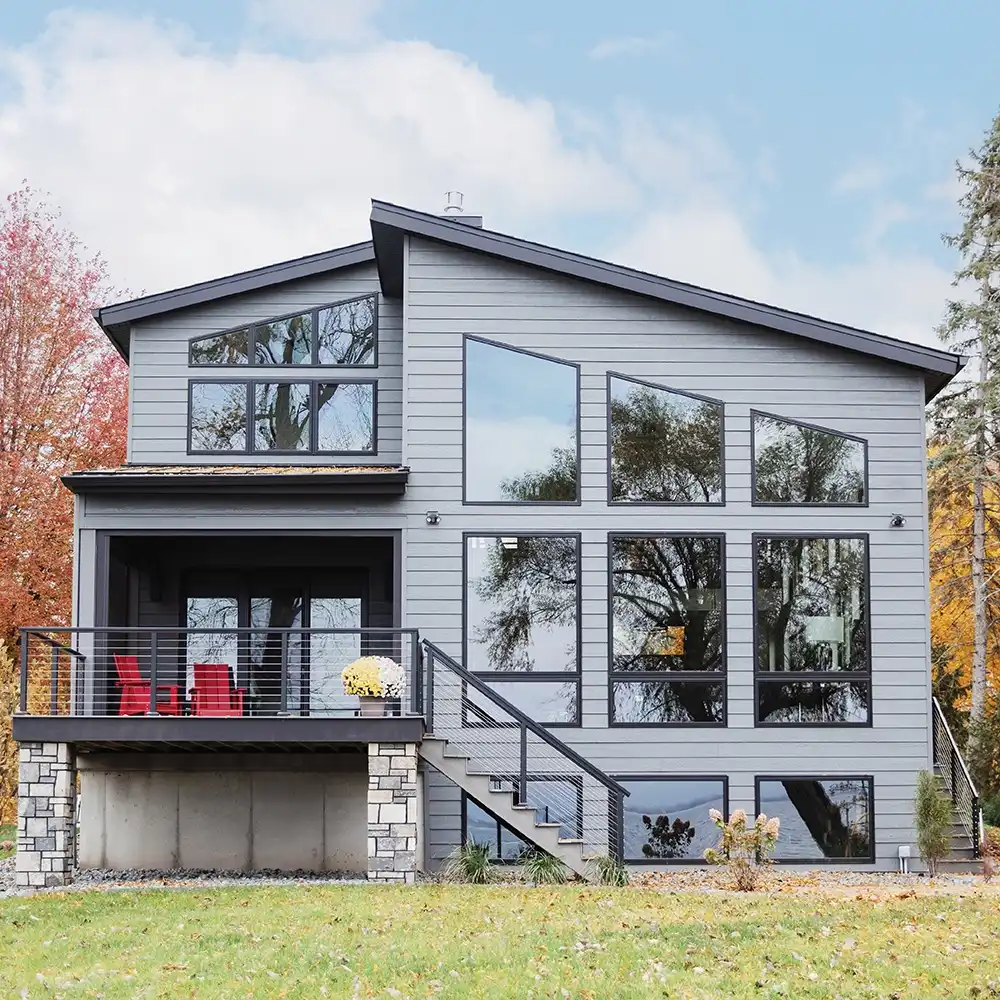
[953, 775]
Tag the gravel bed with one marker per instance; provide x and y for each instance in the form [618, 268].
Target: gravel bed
[6, 876]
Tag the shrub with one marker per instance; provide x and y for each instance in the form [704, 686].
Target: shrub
[933, 816]
[607, 870]
[991, 811]
[744, 849]
[542, 868]
[469, 863]
[983, 751]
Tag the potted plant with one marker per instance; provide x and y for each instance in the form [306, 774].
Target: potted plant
[373, 679]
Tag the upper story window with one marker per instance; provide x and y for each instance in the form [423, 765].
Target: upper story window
[344, 333]
[796, 463]
[282, 417]
[521, 426]
[664, 446]
[813, 648]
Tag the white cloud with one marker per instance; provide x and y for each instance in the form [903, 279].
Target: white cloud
[862, 177]
[318, 20]
[627, 45]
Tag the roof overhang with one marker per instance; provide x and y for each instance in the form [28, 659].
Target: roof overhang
[243, 481]
[116, 319]
[390, 223]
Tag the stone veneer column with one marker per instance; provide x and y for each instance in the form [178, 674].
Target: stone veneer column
[392, 811]
[46, 799]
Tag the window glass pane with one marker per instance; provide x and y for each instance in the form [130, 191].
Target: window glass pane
[481, 827]
[284, 342]
[279, 610]
[668, 820]
[657, 702]
[330, 653]
[543, 701]
[218, 416]
[556, 800]
[813, 701]
[796, 464]
[811, 604]
[211, 647]
[521, 603]
[281, 416]
[820, 818]
[520, 426]
[231, 348]
[347, 333]
[667, 603]
[346, 417]
[665, 447]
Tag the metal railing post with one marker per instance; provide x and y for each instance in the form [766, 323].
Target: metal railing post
[153, 672]
[283, 698]
[522, 785]
[416, 681]
[54, 683]
[25, 640]
[975, 826]
[429, 708]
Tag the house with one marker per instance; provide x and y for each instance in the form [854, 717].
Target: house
[642, 549]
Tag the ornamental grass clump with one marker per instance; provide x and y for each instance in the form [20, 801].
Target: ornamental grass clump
[471, 863]
[374, 677]
[744, 849]
[541, 868]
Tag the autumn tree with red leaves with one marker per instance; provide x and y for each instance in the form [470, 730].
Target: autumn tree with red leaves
[63, 406]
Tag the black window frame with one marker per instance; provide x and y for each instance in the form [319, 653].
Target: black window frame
[314, 311]
[870, 778]
[620, 831]
[313, 383]
[754, 502]
[488, 677]
[676, 676]
[811, 676]
[610, 442]
[466, 502]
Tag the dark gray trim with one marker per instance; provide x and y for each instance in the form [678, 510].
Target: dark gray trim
[811, 676]
[314, 362]
[115, 320]
[579, 453]
[671, 676]
[661, 778]
[102, 576]
[284, 379]
[870, 778]
[677, 392]
[333, 483]
[564, 676]
[754, 502]
[391, 222]
[194, 732]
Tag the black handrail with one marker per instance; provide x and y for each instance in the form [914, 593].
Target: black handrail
[956, 761]
[525, 721]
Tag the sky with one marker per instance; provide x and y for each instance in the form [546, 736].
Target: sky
[798, 154]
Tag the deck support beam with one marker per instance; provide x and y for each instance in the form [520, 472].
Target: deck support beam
[393, 812]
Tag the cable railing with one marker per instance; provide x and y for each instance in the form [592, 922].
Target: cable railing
[521, 756]
[957, 781]
[265, 671]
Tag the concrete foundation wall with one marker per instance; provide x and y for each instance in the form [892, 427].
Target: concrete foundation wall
[221, 811]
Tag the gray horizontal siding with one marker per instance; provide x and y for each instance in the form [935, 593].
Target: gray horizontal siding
[451, 293]
[160, 372]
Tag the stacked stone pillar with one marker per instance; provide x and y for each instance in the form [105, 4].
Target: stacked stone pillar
[46, 801]
[392, 812]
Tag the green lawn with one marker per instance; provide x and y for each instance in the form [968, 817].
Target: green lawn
[7, 833]
[494, 942]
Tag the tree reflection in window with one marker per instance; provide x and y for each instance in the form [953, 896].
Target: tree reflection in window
[665, 446]
[232, 348]
[346, 333]
[218, 416]
[800, 464]
[666, 819]
[346, 417]
[667, 619]
[520, 426]
[282, 416]
[284, 341]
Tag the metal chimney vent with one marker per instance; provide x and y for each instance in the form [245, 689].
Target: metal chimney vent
[453, 202]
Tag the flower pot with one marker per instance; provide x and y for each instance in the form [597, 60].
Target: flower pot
[371, 707]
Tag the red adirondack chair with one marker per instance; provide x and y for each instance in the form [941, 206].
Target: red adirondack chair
[135, 690]
[213, 692]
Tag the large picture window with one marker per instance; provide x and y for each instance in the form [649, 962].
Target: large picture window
[343, 333]
[822, 819]
[521, 426]
[279, 417]
[522, 621]
[667, 629]
[664, 446]
[666, 819]
[796, 463]
[813, 659]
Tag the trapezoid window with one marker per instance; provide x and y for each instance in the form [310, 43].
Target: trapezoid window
[668, 662]
[813, 652]
[664, 446]
[822, 819]
[796, 463]
[340, 334]
[521, 426]
[522, 600]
